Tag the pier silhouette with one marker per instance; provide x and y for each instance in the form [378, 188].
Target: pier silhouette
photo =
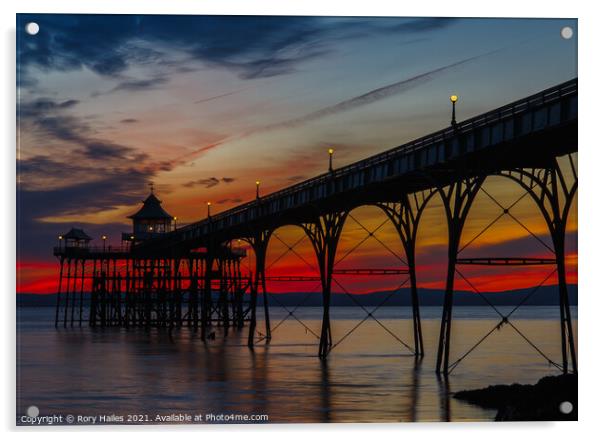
[169, 276]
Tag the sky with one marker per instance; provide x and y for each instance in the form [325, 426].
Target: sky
[203, 106]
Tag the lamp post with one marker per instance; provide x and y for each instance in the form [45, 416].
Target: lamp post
[330, 153]
[104, 242]
[453, 99]
[175, 223]
[208, 209]
[257, 182]
[60, 240]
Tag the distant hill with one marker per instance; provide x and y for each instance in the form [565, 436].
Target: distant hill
[544, 296]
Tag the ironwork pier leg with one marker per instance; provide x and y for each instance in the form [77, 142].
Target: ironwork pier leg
[405, 216]
[259, 242]
[58, 294]
[565, 314]
[253, 321]
[207, 302]
[559, 235]
[103, 299]
[239, 297]
[223, 293]
[266, 306]
[81, 293]
[553, 190]
[67, 292]
[324, 234]
[73, 292]
[416, 323]
[93, 297]
[457, 200]
[446, 318]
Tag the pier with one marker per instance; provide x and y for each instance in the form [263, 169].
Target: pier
[164, 276]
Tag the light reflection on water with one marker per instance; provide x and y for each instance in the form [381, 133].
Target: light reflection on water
[369, 377]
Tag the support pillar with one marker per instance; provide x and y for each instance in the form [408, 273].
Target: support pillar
[239, 296]
[81, 293]
[259, 242]
[58, 293]
[206, 300]
[68, 284]
[405, 216]
[74, 291]
[553, 190]
[324, 234]
[457, 199]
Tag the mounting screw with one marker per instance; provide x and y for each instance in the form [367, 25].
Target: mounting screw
[566, 407]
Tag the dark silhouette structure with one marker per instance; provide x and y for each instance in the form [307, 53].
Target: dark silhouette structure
[130, 288]
[150, 220]
[521, 141]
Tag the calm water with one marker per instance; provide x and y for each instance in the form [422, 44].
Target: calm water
[369, 376]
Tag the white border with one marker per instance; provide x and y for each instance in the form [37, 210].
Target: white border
[590, 200]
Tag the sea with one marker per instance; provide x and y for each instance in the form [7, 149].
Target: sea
[83, 375]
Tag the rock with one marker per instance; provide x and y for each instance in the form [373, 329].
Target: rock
[537, 402]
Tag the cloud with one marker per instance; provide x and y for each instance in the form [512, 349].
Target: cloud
[195, 153]
[269, 67]
[77, 173]
[251, 46]
[43, 105]
[419, 25]
[103, 150]
[129, 121]
[212, 98]
[62, 127]
[35, 238]
[368, 97]
[70, 42]
[230, 200]
[208, 182]
[48, 120]
[138, 85]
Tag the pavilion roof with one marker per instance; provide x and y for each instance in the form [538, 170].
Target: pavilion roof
[77, 235]
[151, 210]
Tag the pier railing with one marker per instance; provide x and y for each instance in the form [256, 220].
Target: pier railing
[119, 251]
[378, 167]
[76, 251]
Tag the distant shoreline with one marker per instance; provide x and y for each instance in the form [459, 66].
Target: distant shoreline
[544, 296]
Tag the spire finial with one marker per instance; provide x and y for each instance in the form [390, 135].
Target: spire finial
[152, 187]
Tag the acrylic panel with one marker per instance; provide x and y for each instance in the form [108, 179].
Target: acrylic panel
[275, 219]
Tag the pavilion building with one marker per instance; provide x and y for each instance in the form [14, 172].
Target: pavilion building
[150, 221]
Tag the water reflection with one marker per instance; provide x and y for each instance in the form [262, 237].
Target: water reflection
[444, 394]
[366, 378]
[412, 416]
[325, 391]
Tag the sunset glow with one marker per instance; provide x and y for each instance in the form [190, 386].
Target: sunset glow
[213, 122]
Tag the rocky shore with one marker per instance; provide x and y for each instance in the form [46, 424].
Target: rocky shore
[539, 402]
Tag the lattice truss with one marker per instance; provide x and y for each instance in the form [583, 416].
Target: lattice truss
[324, 235]
[552, 189]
